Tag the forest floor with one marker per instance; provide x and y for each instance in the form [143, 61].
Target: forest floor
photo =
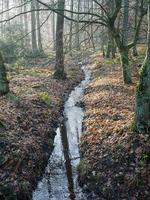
[28, 118]
[115, 160]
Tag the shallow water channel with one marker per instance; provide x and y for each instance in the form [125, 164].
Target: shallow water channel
[59, 181]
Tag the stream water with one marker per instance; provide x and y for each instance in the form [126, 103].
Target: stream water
[59, 181]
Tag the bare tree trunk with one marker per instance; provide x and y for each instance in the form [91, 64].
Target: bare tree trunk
[2, 24]
[108, 50]
[142, 108]
[33, 29]
[7, 8]
[135, 53]
[124, 56]
[124, 51]
[71, 27]
[113, 48]
[54, 29]
[125, 21]
[91, 27]
[59, 67]
[27, 42]
[21, 20]
[4, 85]
[40, 48]
[77, 28]
[102, 34]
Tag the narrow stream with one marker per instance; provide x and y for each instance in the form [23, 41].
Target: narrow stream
[59, 181]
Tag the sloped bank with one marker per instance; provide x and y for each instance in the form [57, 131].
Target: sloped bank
[29, 117]
[115, 161]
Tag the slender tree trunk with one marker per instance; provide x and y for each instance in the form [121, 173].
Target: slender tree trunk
[6, 15]
[59, 67]
[7, 8]
[108, 50]
[125, 21]
[21, 21]
[71, 27]
[111, 44]
[40, 48]
[135, 53]
[54, 29]
[27, 42]
[113, 48]
[2, 24]
[77, 39]
[142, 108]
[4, 85]
[103, 42]
[103, 32]
[125, 65]
[92, 34]
[33, 29]
[124, 51]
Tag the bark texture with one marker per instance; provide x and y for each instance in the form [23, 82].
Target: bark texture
[125, 65]
[33, 28]
[59, 67]
[142, 108]
[40, 48]
[4, 86]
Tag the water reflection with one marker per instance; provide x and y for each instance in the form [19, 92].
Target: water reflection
[68, 165]
[60, 178]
